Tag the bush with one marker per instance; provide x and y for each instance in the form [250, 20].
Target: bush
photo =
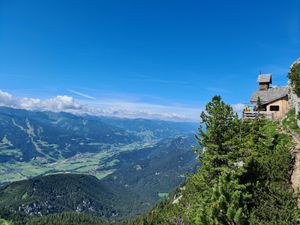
[294, 76]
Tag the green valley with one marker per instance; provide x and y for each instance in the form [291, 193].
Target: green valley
[40, 143]
[128, 165]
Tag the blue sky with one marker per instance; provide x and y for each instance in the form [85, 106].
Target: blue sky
[164, 57]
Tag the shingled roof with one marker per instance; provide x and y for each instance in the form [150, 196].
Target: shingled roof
[264, 78]
[270, 95]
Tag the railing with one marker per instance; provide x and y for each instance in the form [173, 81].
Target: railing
[254, 114]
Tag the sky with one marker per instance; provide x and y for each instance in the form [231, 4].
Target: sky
[146, 58]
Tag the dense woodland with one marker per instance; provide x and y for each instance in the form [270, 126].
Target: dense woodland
[243, 178]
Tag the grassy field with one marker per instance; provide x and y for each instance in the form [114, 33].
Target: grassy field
[99, 164]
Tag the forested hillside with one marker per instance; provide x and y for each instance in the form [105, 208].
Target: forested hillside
[68, 192]
[244, 177]
[143, 177]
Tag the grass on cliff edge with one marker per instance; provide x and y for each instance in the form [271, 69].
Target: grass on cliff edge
[290, 121]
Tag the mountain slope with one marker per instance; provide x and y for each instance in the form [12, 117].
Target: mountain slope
[66, 192]
[36, 143]
[28, 134]
[132, 189]
[156, 169]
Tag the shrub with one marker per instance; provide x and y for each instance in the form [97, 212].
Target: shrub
[294, 76]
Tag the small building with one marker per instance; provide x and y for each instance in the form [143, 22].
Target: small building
[273, 102]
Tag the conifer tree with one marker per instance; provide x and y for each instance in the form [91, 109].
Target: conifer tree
[218, 135]
[258, 104]
[227, 203]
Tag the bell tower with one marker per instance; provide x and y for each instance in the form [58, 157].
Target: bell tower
[264, 80]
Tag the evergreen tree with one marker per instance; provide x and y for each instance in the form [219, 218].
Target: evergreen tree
[226, 205]
[258, 104]
[218, 135]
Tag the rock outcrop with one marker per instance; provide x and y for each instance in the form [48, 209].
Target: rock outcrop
[294, 100]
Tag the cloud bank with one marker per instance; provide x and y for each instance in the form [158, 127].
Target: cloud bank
[58, 103]
[102, 107]
[107, 107]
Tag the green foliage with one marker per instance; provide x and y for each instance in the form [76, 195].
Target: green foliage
[258, 104]
[67, 192]
[225, 205]
[4, 222]
[275, 206]
[68, 219]
[243, 178]
[221, 125]
[294, 76]
[290, 121]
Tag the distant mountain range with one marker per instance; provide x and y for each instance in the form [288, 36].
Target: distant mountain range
[137, 162]
[28, 134]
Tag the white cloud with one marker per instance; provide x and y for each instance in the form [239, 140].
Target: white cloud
[58, 103]
[117, 107]
[82, 94]
[104, 107]
[135, 109]
[6, 99]
[29, 103]
[217, 90]
[61, 103]
[238, 107]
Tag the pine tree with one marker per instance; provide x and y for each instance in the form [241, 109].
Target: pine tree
[218, 135]
[226, 205]
[258, 104]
